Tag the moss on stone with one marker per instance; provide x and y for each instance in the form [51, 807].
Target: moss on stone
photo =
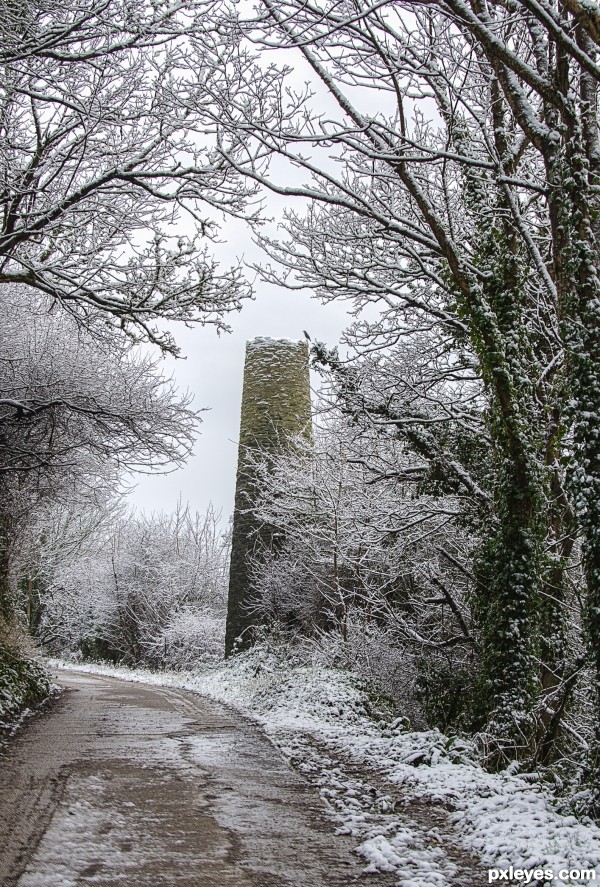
[275, 406]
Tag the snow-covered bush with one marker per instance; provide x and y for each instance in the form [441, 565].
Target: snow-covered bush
[189, 637]
[152, 591]
[368, 569]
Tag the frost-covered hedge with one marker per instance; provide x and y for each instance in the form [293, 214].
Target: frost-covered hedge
[23, 683]
[153, 593]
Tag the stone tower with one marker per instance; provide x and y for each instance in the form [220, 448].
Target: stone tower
[275, 405]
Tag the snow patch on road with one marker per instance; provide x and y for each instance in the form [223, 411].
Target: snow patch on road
[66, 845]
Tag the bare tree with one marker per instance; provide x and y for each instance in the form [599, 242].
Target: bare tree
[103, 160]
[75, 414]
[150, 590]
[360, 555]
[63, 393]
[77, 31]
[108, 169]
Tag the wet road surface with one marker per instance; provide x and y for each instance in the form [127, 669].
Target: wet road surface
[127, 784]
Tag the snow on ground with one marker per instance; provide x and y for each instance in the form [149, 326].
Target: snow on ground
[323, 722]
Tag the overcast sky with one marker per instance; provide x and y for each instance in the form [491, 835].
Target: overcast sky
[213, 370]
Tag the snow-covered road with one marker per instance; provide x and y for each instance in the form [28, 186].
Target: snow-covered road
[124, 783]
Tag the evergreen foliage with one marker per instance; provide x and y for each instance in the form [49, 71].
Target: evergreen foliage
[23, 683]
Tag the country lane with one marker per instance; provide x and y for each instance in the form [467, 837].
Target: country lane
[122, 783]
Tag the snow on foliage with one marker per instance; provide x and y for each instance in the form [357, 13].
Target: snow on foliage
[150, 592]
[23, 683]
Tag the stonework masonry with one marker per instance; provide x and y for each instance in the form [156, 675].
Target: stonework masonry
[275, 406]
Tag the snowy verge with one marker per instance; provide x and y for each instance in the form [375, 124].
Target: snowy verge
[323, 721]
